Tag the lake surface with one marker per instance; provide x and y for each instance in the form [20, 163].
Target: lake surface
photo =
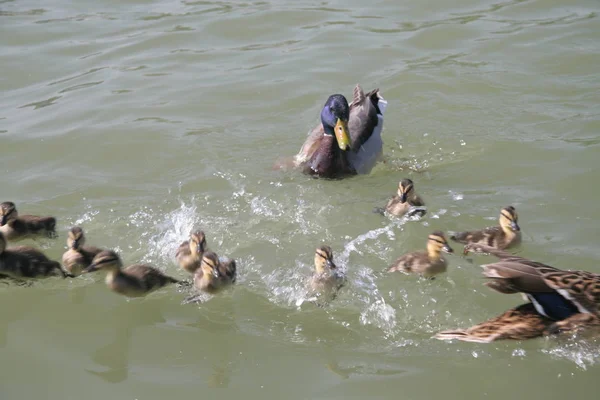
[141, 120]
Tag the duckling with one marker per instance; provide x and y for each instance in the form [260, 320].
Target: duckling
[560, 301]
[507, 235]
[189, 253]
[426, 263]
[16, 227]
[135, 280]
[327, 279]
[26, 262]
[214, 275]
[78, 256]
[405, 201]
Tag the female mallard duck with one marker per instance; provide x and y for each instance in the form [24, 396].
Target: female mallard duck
[507, 235]
[214, 275]
[327, 279]
[561, 301]
[348, 140]
[78, 256]
[26, 262]
[15, 226]
[405, 201]
[133, 281]
[189, 253]
[425, 263]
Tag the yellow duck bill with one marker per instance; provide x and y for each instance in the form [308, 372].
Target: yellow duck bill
[341, 134]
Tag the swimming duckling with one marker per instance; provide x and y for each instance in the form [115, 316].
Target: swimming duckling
[507, 235]
[78, 256]
[327, 279]
[214, 275]
[133, 281]
[405, 201]
[560, 301]
[426, 263]
[189, 253]
[15, 226]
[26, 262]
[348, 139]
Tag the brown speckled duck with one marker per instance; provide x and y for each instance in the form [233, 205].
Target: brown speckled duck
[16, 227]
[133, 281]
[406, 201]
[21, 262]
[214, 275]
[78, 256]
[560, 301]
[425, 263]
[507, 235]
[327, 278]
[348, 140]
[189, 254]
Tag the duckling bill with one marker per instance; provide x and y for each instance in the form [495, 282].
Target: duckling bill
[348, 140]
[425, 263]
[133, 281]
[16, 227]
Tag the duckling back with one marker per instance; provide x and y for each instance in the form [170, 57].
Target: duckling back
[27, 262]
[138, 280]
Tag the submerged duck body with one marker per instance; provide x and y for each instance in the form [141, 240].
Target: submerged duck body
[78, 256]
[348, 140]
[16, 227]
[133, 281]
[560, 301]
[505, 236]
[26, 262]
[425, 263]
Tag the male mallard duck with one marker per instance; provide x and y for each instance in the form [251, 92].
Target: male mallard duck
[214, 275]
[15, 226]
[189, 253]
[78, 256]
[357, 130]
[405, 201]
[133, 281]
[561, 301]
[26, 262]
[327, 279]
[426, 263]
[507, 235]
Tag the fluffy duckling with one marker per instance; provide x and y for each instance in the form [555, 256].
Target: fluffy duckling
[327, 279]
[78, 256]
[214, 275]
[135, 280]
[405, 201]
[15, 226]
[26, 262]
[560, 301]
[507, 235]
[189, 254]
[425, 263]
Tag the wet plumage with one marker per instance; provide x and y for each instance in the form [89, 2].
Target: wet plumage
[348, 140]
[507, 235]
[425, 263]
[16, 227]
[78, 256]
[133, 281]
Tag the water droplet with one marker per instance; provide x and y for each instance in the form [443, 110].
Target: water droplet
[463, 143]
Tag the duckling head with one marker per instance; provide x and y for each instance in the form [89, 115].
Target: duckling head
[210, 265]
[436, 242]
[324, 259]
[197, 243]
[334, 117]
[8, 211]
[2, 243]
[509, 219]
[405, 190]
[107, 260]
[76, 238]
